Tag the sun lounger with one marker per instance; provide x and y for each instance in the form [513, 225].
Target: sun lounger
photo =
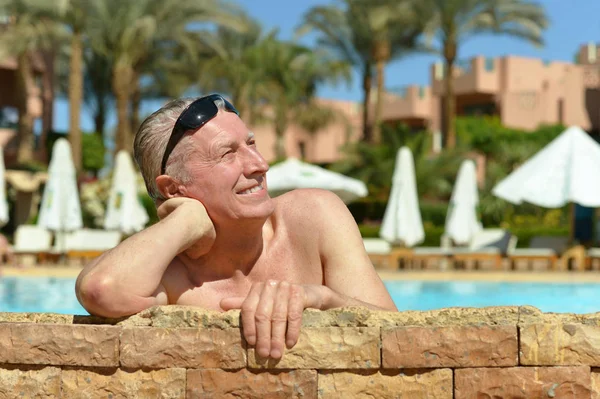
[85, 244]
[541, 248]
[487, 245]
[32, 241]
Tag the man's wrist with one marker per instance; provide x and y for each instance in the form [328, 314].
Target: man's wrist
[331, 299]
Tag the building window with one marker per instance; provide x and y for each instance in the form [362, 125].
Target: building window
[489, 64]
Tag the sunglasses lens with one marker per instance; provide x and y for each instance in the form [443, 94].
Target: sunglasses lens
[198, 114]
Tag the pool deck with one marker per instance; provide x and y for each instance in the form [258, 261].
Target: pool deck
[429, 275]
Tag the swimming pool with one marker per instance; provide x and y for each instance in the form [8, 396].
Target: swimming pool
[548, 297]
[39, 294]
[57, 295]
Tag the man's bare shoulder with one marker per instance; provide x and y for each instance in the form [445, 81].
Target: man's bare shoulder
[306, 204]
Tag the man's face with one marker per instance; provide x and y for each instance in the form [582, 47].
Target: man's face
[228, 174]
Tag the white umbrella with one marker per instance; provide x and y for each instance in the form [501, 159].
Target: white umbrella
[60, 209]
[461, 221]
[566, 170]
[3, 203]
[402, 219]
[292, 174]
[125, 211]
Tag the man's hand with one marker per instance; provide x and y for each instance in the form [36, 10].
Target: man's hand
[272, 314]
[201, 235]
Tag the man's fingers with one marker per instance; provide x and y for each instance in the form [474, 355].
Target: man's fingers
[279, 320]
[248, 313]
[234, 302]
[262, 318]
[296, 306]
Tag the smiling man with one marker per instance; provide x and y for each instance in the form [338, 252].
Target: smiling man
[222, 243]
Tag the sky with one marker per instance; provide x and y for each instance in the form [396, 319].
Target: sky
[572, 23]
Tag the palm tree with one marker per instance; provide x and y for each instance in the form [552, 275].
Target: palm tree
[233, 63]
[130, 33]
[452, 22]
[290, 77]
[365, 34]
[32, 29]
[73, 15]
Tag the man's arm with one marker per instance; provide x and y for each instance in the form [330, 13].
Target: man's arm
[127, 279]
[347, 269]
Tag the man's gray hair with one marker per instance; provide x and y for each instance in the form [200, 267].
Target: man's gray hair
[151, 141]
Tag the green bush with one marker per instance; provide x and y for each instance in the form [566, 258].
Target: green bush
[92, 152]
[433, 212]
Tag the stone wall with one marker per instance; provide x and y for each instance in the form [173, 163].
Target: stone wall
[177, 352]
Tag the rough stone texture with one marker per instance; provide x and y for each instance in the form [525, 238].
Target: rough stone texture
[455, 346]
[595, 383]
[532, 315]
[29, 382]
[117, 383]
[52, 318]
[556, 344]
[215, 383]
[56, 344]
[177, 316]
[182, 347]
[522, 382]
[327, 348]
[363, 317]
[413, 384]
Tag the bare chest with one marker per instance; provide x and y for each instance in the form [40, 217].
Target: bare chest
[294, 266]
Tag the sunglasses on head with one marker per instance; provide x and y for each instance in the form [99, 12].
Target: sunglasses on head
[193, 117]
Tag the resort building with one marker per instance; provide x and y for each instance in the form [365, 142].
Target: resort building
[523, 92]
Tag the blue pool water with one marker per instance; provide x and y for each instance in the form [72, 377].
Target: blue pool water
[57, 295]
[39, 294]
[548, 297]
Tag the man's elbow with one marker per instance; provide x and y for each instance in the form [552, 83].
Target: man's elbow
[100, 297]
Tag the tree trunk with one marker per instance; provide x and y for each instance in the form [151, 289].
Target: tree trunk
[121, 87]
[47, 101]
[280, 128]
[379, 102]
[367, 82]
[449, 132]
[25, 82]
[136, 101]
[100, 119]
[76, 98]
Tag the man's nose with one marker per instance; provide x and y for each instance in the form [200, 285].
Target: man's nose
[255, 163]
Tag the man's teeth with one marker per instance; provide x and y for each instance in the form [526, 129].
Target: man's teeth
[252, 190]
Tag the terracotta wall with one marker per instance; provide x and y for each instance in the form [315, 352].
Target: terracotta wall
[177, 352]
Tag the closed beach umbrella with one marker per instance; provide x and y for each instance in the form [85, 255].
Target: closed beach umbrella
[3, 202]
[60, 209]
[567, 170]
[292, 174]
[461, 221]
[402, 219]
[124, 212]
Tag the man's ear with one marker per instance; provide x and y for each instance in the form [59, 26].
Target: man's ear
[168, 186]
